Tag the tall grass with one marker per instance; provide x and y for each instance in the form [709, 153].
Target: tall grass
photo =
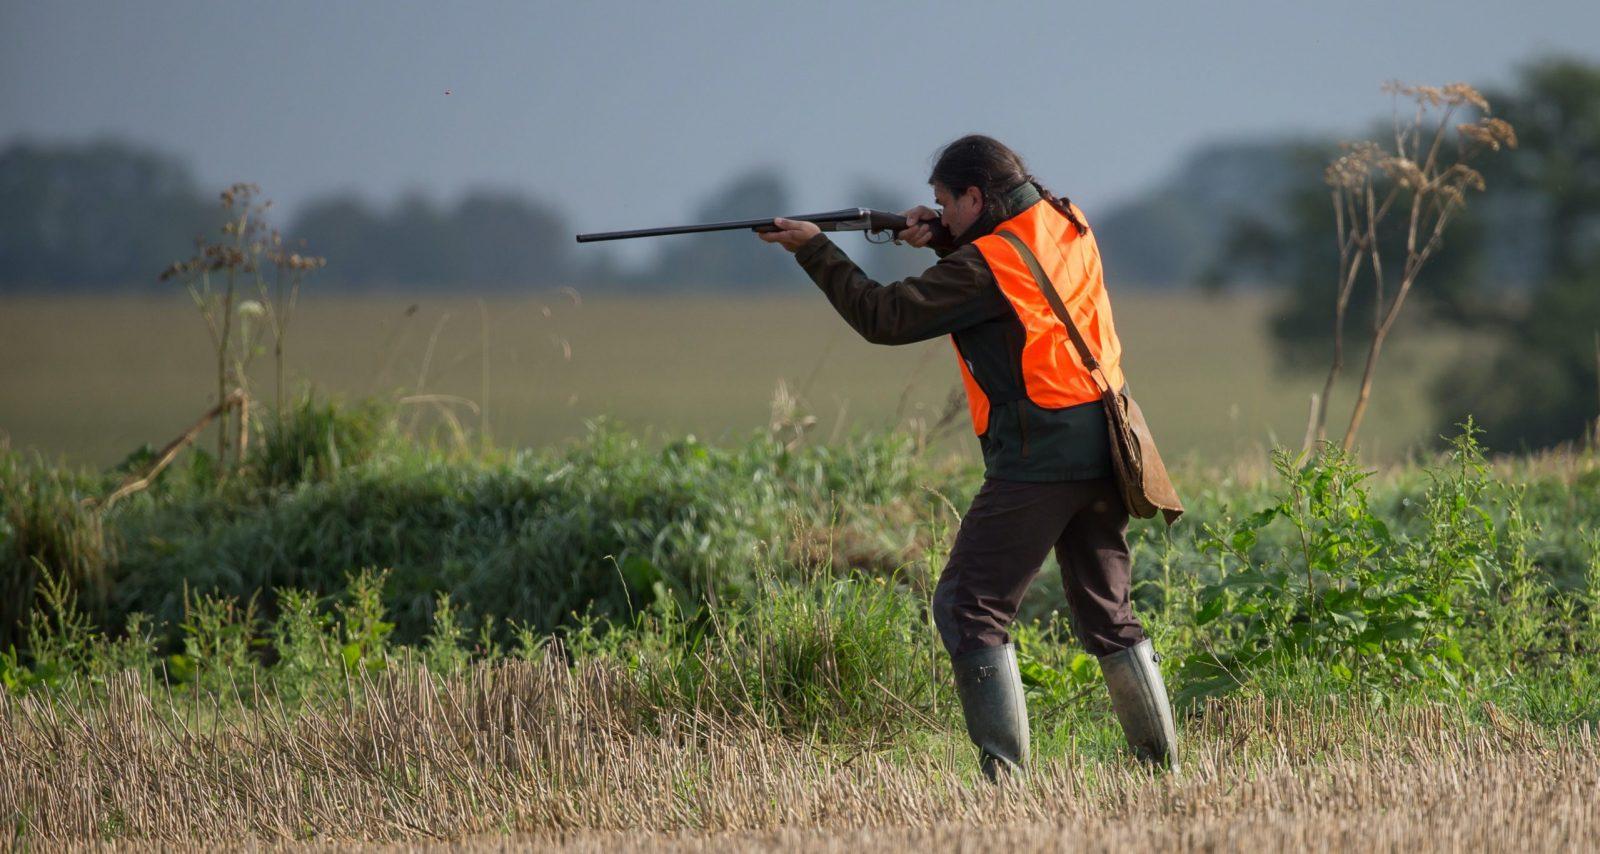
[44, 529]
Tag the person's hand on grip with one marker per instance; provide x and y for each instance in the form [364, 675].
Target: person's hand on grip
[791, 234]
[920, 234]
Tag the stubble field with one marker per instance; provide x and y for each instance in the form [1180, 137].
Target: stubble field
[482, 759]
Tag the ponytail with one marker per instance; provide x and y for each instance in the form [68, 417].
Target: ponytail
[1060, 203]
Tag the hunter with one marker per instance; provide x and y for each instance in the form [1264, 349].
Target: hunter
[1048, 479]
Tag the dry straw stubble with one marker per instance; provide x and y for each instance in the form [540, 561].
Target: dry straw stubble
[522, 753]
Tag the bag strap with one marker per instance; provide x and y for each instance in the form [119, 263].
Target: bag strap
[1048, 289]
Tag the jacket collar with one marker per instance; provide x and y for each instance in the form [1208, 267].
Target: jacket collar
[1015, 201]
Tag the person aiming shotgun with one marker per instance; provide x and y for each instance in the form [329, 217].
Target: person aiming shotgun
[1048, 470]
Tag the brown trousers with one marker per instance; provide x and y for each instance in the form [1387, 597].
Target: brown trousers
[1003, 541]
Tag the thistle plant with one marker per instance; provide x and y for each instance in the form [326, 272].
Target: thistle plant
[211, 277]
[1423, 177]
[214, 278]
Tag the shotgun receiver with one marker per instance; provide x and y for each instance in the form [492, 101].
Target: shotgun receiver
[845, 219]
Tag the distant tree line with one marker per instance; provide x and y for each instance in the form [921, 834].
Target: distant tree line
[487, 239]
[107, 214]
[97, 214]
[1255, 213]
[110, 214]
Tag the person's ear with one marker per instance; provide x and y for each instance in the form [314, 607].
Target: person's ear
[974, 197]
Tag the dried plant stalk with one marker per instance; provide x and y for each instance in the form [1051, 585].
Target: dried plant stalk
[1368, 182]
[247, 248]
[236, 399]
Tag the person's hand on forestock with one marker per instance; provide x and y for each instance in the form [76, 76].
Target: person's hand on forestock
[791, 234]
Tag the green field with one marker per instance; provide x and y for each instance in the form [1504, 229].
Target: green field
[90, 379]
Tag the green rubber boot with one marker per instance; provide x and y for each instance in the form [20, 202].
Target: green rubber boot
[997, 716]
[1140, 699]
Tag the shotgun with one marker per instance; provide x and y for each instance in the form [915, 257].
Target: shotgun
[845, 219]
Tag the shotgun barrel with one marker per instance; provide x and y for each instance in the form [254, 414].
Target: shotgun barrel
[844, 219]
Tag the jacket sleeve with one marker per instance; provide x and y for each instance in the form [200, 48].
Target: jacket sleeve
[953, 294]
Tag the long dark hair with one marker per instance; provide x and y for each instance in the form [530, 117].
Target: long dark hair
[990, 165]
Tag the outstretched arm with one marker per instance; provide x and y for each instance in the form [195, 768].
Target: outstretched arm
[956, 293]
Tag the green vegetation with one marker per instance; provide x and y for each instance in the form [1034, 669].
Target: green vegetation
[718, 569]
[477, 641]
[603, 526]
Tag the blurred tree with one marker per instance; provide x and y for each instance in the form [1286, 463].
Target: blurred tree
[93, 215]
[413, 244]
[502, 240]
[1296, 247]
[1543, 387]
[731, 259]
[1176, 234]
[348, 232]
[487, 240]
[1556, 110]
[1157, 240]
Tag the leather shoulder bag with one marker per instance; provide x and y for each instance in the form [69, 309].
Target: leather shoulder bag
[1146, 488]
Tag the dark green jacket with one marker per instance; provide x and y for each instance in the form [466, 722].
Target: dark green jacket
[959, 297]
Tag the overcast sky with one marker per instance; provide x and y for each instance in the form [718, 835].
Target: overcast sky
[626, 113]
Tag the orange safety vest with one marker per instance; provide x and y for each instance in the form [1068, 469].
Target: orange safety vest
[1052, 374]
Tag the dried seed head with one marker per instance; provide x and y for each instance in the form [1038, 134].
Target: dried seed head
[254, 243]
[1461, 93]
[1427, 95]
[1354, 167]
[1478, 134]
[1493, 134]
[1404, 171]
[1452, 95]
[297, 262]
[176, 269]
[1502, 130]
[1462, 176]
